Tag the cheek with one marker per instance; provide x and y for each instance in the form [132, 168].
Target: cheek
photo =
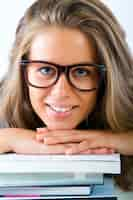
[37, 97]
[89, 102]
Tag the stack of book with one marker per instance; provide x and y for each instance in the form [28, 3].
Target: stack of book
[58, 176]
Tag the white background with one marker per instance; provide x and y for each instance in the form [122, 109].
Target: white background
[11, 11]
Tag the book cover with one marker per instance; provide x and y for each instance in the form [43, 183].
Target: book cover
[45, 190]
[13, 163]
[57, 198]
[105, 191]
[47, 179]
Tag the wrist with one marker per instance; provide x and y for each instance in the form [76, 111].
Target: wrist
[5, 140]
[109, 139]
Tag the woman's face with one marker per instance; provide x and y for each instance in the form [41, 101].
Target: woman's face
[61, 106]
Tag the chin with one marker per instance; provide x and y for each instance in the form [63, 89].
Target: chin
[60, 126]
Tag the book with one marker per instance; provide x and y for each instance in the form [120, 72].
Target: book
[46, 190]
[97, 192]
[57, 198]
[15, 163]
[47, 179]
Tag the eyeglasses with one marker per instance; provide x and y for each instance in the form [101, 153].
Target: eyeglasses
[82, 76]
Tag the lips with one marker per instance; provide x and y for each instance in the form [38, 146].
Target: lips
[61, 109]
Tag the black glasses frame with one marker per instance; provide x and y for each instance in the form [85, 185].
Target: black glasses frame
[62, 69]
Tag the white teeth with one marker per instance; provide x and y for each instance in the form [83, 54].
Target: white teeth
[57, 109]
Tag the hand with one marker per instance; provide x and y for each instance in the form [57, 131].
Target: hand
[82, 142]
[23, 141]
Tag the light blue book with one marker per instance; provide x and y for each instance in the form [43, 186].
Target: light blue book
[96, 192]
[105, 190]
[45, 191]
[47, 179]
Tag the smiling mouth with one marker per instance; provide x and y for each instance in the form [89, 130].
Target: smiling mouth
[61, 109]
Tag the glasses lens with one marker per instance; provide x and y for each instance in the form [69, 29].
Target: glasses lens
[41, 74]
[85, 77]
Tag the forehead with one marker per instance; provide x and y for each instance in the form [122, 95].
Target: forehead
[62, 45]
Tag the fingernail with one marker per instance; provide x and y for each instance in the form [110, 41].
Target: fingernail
[39, 129]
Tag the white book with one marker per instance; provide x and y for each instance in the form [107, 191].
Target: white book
[47, 179]
[15, 163]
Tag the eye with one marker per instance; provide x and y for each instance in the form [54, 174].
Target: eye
[81, 72]
[46, 70]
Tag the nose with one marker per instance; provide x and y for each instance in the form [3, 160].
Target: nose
[62, 87]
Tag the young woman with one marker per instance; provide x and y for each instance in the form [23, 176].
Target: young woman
[70, 73]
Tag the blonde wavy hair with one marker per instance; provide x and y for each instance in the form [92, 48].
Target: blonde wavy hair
[115, 108]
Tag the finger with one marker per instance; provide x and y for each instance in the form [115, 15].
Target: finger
[39, 137]
[52, 139]
[62, 139]
[52, 133]
[88, 151]
[34, 147]
[77, 148]
[53, 149]
[101, 151]
[89, 147]
[40, 148]
[98, 151]
[40, 133]
[42, 129]
[64, 136]
[95, 139]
